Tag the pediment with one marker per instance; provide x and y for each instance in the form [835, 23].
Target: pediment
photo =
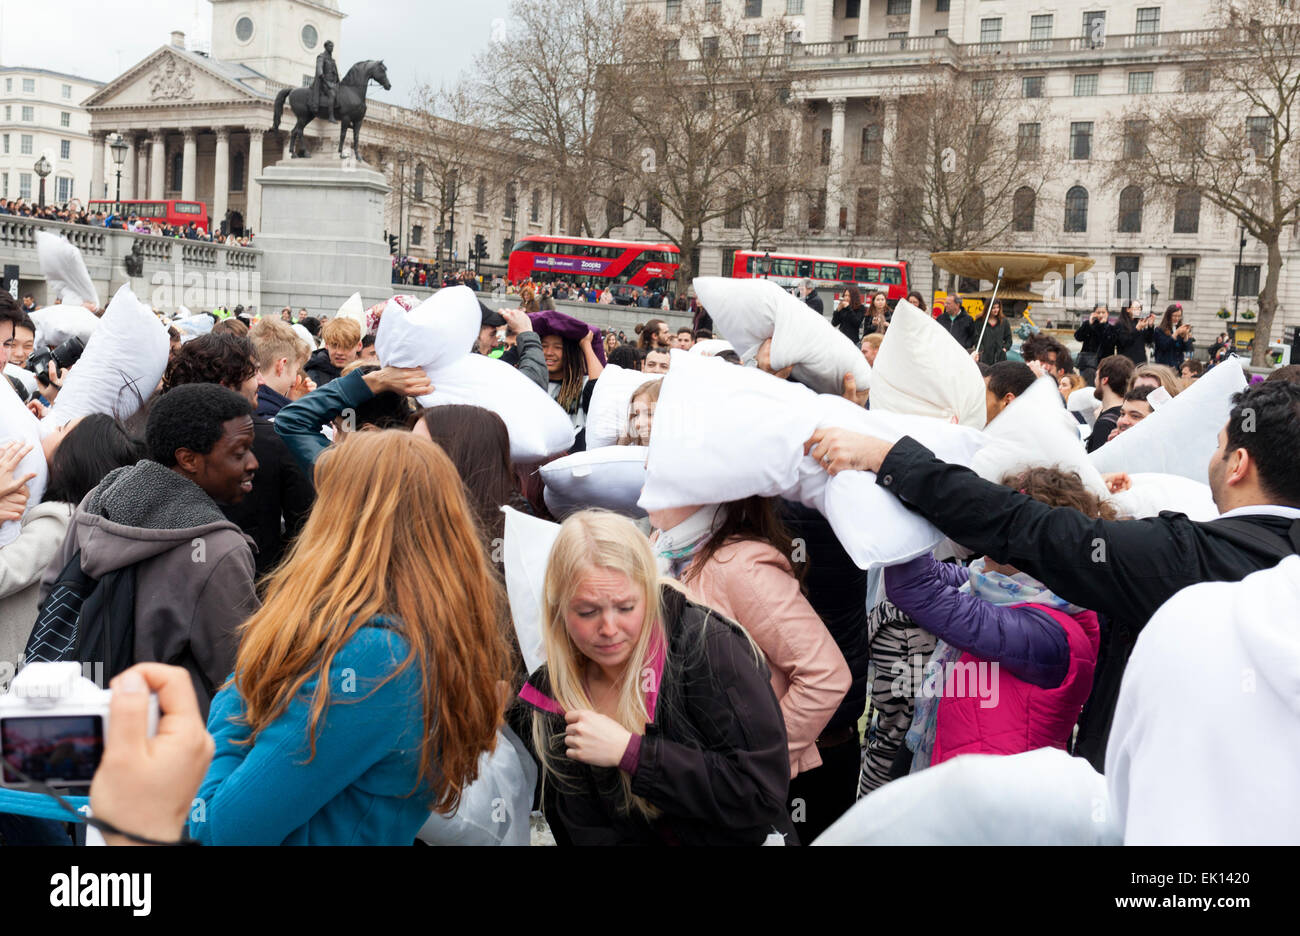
[171, 77]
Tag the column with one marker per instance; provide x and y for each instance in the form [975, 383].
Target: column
[97, 164]
[128, 167]
[141, 189]
[190, 165]
[221, 179]
[914, 25]
[253, 216]
[794, 205]
[157, 163]
[835, 173]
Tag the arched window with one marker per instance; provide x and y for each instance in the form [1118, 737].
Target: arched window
[1076, 210]
[1130, 210]
[419, 181]
[1023, 205]
[1187, 212]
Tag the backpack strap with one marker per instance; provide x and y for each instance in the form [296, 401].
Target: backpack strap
[1250, 533]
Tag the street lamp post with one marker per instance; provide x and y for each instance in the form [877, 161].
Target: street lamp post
[767, 264]
[401, 204]
[1236, 276]
[42, 168]
[1155, 294]
[118, 148]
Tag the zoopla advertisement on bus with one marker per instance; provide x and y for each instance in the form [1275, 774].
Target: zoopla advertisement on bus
[570, 264]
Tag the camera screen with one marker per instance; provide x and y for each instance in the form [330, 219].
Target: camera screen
[57, 749]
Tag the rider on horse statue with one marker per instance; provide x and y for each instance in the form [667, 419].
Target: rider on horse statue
[326, 83]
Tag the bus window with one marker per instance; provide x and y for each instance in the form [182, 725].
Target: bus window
[749, 264]
[845, 273]
[782, 267]
[825, 271]
[892, 276]
[805, 268]
[868, 275]
[188, 208]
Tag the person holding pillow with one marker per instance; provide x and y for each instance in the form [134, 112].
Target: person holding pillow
[574, 362]
[654, 719]
[739, 558]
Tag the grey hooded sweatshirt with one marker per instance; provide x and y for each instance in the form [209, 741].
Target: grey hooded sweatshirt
[193, 567]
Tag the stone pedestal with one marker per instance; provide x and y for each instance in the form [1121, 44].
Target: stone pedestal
[322, 234]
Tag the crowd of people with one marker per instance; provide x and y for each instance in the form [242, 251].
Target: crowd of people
[344, 664]
[73, 212]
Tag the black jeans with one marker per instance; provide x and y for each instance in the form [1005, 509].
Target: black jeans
[823, 794]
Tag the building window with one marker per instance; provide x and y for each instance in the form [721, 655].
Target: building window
[6, 145]
[672, 11]
[871, 144]
[852, 9]
[1040, 32]
[732, 218]
[67, 92]
[1135, 138]
[775, 211]
[9, 85]
[65, 149]
[244, 29]
[709, 47]
[750, 45]
[793, 7]
[982, 88]
[972, 209]
[1023, 205]
[712, 9]
[1182, 279]
[417, 234]
[1245, 281]
[237, 172]
[535, 207]
[1094, 28]
[1187, 212]
[512, 201]
[9, 113]
[817, 212]
[940, 32]
[1027, 141]
[29, 85]
[1032, 87]
[868, 206]
[826, 147]
[178, 167]
[63, 188]
[1081, 140]
[1259, 135]
[1085, 85]
[898, 8]
[1196, 80]
[991, 31]
[613, 212]
[753, 9]
[507, 245]
[654, 211]
[1076, 210]
[25, 144]
[29, 113]
[4, 185]
[1148, 25]
[417, 188]
[24, 185]
[1192, 138]
[480, 197]
[672, 48]
[1130, 210]
[1141, 82]
[65, 119]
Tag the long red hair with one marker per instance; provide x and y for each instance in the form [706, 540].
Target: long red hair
[391, 536]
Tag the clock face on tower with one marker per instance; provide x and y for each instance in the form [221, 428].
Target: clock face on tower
[309, 36]
[244, 29]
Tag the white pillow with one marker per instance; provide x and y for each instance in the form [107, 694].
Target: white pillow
[494, 809]
[57, 323]
[121, 366]
[23, 376]
[1182, 435]
[65, 270]
[353, 309]
[611, 399]
[1084, 400]
[527, 549]
[1031, 433]
[1151, 493]
[437, 335]
[711, 346]
[609, 478]
[17, 424]
[194, 326]
[724, 433]
[749, 311]
[921, 371]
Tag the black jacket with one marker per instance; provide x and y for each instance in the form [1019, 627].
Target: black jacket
[1131, 342]
[1124, 570]
[714, 761]
[849, 321]
[1107, 421]
[814, 302]
[995, 343]
[275, 510]
[320, 368]
[961, 328]
[1097, 338]
[837, 591]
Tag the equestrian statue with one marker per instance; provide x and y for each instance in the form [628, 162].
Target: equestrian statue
[331, 99]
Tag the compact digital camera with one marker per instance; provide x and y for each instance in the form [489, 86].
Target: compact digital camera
[53, 722]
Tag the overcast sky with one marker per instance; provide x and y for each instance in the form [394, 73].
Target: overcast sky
[419, 40]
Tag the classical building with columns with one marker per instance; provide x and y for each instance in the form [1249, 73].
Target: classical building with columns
[198, 125]
[1081, 64]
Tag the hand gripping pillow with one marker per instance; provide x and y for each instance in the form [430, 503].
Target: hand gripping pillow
[437, 336]
[120, 367]
[65, 270]
[921, 371]
[1031, 433]
[724, 433]
[526, 551]
[609, 478]
[17, 424]
[57, 323]
[749, 311]
[1183, 434]
[611, 399]
[1151, 493]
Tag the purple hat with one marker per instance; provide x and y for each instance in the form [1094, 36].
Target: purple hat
[554, 322]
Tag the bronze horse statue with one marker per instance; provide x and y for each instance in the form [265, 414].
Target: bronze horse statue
[349, 104]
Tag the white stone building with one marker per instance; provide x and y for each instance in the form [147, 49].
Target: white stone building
[42, 116]
[852, 56]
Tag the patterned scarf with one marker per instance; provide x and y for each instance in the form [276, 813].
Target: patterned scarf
[995, 588]
[675, 549]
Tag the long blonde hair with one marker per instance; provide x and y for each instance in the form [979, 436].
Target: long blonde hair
[648, 391]
[391, 536]
[597, 539]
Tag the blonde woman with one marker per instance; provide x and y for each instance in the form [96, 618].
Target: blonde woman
[655, 722]
[641, 414]
[1158, 375]
[369, 684]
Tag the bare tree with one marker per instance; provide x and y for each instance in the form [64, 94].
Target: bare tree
[963, 148]
[537, 83]
[695, 111]
[1228, 139]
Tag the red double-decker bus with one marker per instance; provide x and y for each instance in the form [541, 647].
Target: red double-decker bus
[546, 258]
[168, 211]
[789, 269]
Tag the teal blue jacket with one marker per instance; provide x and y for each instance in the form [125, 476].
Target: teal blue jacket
[299, 423]
[360, 788]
